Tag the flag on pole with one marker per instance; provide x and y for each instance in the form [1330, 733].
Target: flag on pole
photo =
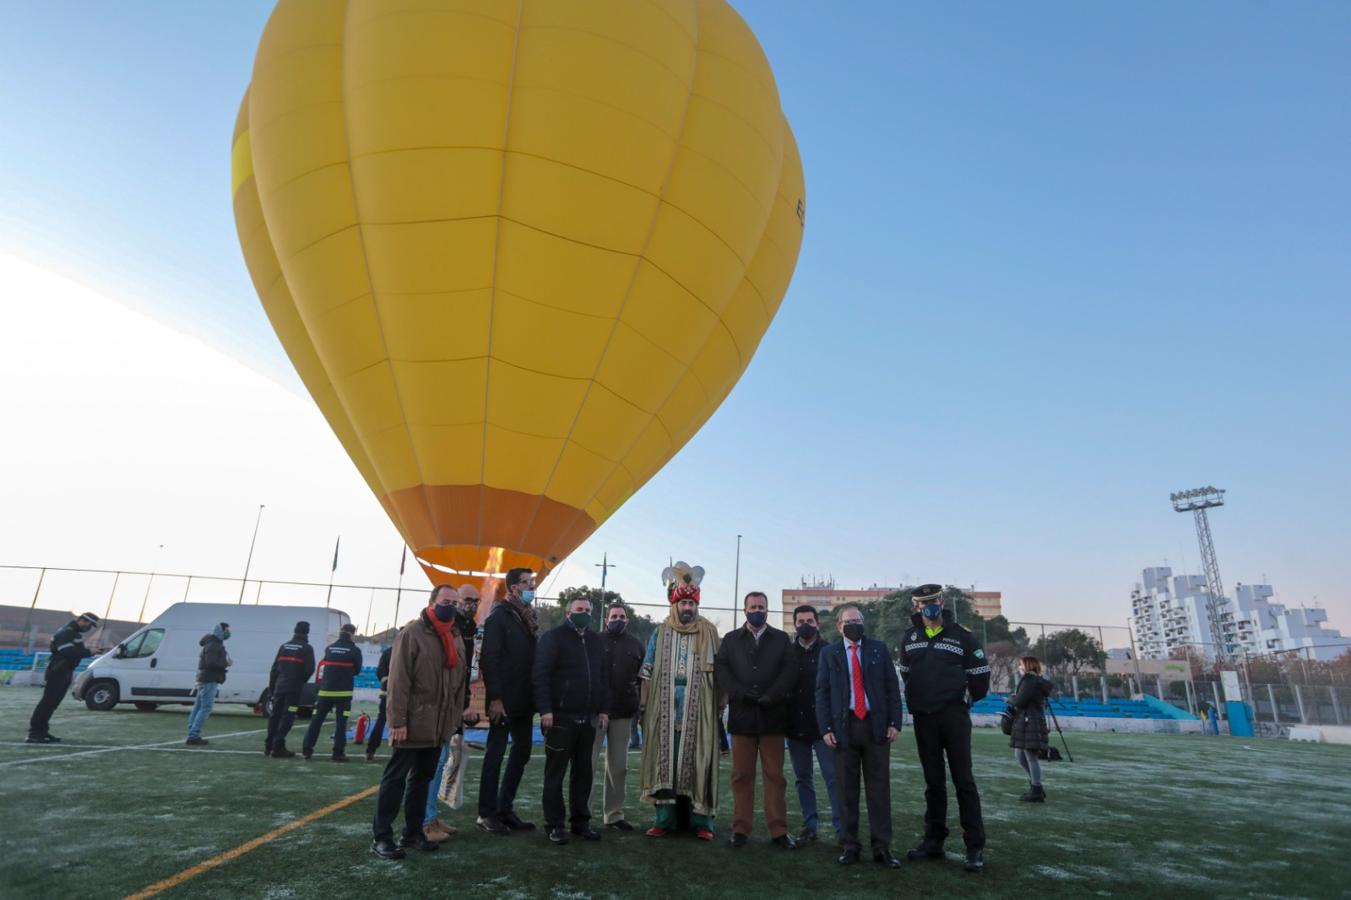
[335, 554]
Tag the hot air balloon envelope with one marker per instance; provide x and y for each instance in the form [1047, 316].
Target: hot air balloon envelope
[518, 250]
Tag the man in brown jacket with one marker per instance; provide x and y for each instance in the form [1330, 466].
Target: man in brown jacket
[427, 678]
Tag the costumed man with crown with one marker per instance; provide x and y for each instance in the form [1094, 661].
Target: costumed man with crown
[680, 725]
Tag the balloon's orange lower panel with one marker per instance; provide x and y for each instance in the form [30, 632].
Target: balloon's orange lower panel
[484, 529]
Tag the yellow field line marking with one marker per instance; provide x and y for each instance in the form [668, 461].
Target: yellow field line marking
[192, 872]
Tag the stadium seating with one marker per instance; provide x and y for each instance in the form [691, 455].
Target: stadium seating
[1085, 706]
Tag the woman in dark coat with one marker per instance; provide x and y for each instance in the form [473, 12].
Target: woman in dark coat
[1030, 736]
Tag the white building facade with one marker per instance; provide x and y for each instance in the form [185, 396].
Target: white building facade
[1169, 612]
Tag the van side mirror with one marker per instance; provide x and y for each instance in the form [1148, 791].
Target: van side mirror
[120, 652]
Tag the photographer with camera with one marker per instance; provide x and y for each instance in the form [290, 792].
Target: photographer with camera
[1028, 733]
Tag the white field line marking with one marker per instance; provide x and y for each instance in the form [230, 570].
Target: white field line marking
[38, 759]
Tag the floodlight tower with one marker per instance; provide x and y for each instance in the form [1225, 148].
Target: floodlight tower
[1197, 501]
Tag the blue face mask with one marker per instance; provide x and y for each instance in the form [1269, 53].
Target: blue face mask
[932, 612]
[617, 626]
[527, 597]
[757, 618]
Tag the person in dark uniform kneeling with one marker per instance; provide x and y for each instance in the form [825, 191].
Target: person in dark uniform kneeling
[68, 651]
[942, 663]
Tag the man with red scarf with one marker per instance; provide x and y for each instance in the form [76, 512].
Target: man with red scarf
[427, 678]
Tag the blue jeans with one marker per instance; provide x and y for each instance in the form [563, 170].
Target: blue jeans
[201, 708]
[801, 754]
[435, 787]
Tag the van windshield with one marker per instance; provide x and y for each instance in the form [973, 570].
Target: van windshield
[144, 644]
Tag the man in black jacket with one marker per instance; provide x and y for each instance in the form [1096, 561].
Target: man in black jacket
[572, 693]
[68, 650]
[337, 673]
[291, 669]
[624, 659]
[757, 670]
[506, 658]
[211, 665]
[942, 663]
[378, 730]
[804, 735]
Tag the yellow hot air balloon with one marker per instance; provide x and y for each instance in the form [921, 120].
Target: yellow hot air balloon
[518, 250]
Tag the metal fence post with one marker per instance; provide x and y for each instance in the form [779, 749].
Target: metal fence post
[1336, 706]
[187, 588]
[1105, 699]
[28, 625]
[1299, 701]
[1074, 682]
[1191, 696]
[1219, 706]
[1275, 712]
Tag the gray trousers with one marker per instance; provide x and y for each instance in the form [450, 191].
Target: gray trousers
[616, 738]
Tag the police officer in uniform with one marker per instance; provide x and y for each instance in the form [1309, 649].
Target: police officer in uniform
[942, 663]
[337, 671]
[290, 671]
[68, 650]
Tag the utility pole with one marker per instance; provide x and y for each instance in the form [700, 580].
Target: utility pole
[1197, 501]
[605, 566]
[248, 562]
[736, 583]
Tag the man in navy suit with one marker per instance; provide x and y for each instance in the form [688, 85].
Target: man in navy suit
[858, 709]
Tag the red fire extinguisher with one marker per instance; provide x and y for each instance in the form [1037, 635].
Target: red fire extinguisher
[363, 722]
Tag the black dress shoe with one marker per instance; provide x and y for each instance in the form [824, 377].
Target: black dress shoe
[514, 822]
[493, 825]
[282, 753]
[42, 739]
[737, 840]
[340, 757]
[806, 836]
[386, 850]
[621, 825]
[587, 834]
[558, 836]
[418, 842]
[975, 861]
[848, 857]
[886, 858]
[925, 850]
[785, 841]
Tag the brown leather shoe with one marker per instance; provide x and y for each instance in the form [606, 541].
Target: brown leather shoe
[438, 831]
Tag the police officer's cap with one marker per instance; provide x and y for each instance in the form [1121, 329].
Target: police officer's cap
[90, 617]
[928, 593]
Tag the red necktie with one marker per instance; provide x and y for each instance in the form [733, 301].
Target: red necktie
[860, 698]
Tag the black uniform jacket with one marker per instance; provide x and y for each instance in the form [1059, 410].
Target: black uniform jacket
[940, 671]
[293, 666]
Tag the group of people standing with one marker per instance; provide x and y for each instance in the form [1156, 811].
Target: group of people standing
[836, 705]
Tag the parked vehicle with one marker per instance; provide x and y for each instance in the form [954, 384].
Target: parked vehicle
[158, 663]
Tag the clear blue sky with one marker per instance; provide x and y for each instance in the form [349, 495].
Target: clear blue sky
[1060, 259]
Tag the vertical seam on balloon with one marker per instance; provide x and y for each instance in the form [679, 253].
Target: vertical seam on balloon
[370, 281]
[633, 278]
[497, 258]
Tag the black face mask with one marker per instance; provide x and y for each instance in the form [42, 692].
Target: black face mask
[854, 631]
[443, 612]
[806, 631]
[616, 626]
[464, 622]
[757, 618]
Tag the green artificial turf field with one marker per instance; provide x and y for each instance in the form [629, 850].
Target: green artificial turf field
[122, 804]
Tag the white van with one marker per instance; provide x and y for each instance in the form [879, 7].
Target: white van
[158, 663]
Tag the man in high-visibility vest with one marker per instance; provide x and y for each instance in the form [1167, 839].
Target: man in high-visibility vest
[337, 670]
[290, 671]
